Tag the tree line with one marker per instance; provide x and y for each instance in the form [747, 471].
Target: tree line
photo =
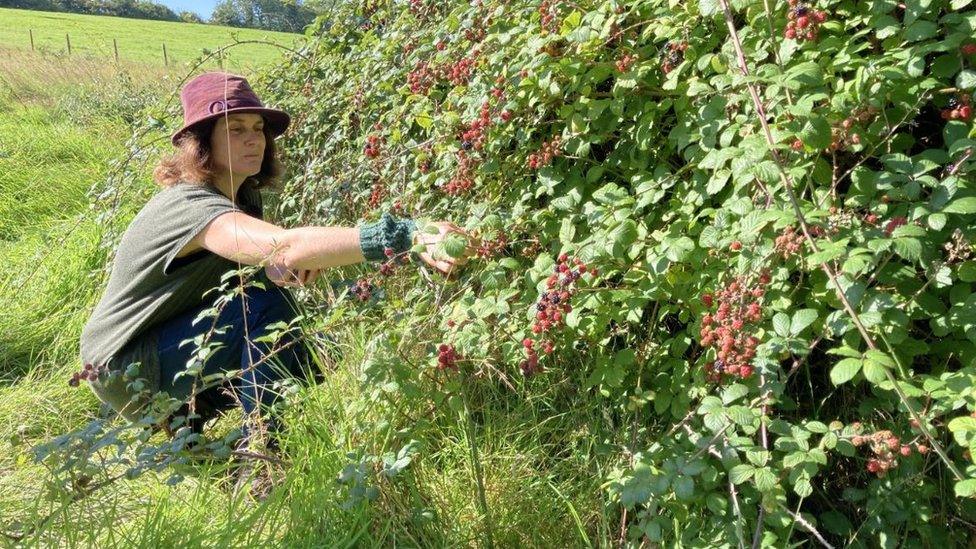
[276, 15]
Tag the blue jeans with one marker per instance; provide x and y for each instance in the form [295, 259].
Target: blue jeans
[237, 353]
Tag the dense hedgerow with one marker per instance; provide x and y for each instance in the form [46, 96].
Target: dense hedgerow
[773, 302]
[625, 134]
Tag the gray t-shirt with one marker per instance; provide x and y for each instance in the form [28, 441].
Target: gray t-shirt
[149, 284]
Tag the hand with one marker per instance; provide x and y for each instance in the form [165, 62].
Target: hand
[289, 278]
[446, 265]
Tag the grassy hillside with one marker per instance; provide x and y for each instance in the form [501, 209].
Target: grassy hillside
[138, 40]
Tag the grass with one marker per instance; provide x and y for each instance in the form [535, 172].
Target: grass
[138, 40]
[544, 458]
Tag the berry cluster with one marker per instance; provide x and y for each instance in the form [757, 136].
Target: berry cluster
[498, 91]
[804, 23]
[421, 78]
[377, 194]
[476, 34]
[423, 163]
[459, 72]
[789, 242]
[886, 447]
[968, 49]
[730, 329]
[447, 357]
[363, 289]
[474, 134]
[389, 267]
[90, 373]
[845, 134]
[548, 10]
[553, 306]
[493, 247]
[958, 109]
[672, 54]
[463, 178]
[544, 156]
[625, 62]
[374, 143]
[894, 223]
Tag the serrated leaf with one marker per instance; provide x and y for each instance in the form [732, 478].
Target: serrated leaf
[802, 487]
[781, 324]
[734, 392]
[874, 372]
[741, 473]
[742, 415]
[816, 427]
[908, 248]
[765, 479]
[816, 133]
[964, 423]
[845, 370]
[965, 205]
[802, 319]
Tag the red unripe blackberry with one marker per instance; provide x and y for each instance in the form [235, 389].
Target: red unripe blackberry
[735, 246]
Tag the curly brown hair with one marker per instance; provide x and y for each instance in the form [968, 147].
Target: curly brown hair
[193, 162]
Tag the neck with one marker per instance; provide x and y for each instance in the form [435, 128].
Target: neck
[228, 186]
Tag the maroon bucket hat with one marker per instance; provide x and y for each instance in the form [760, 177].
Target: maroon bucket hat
[214, 94]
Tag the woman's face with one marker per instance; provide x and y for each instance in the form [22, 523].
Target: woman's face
[237, 144]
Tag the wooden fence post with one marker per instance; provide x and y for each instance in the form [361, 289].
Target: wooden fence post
[31, 31]
[68, 40]
[115, 46]
[165, 57]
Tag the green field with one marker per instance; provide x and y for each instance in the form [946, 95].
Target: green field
[138, 40]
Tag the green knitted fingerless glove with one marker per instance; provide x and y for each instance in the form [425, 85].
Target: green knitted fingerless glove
[388, 232]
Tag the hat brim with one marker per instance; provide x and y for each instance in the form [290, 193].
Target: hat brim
[276, 120]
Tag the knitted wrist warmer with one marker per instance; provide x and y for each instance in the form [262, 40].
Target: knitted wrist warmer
[388, 232]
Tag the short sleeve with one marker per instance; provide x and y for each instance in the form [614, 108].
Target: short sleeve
[188, 210]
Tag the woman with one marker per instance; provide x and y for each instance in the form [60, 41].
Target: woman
[205, 221]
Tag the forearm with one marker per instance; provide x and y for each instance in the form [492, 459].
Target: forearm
[324, 247]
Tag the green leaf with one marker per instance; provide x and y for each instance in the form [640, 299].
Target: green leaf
[808, 73]
[816, 133]
[908, 248]
[765, 479]
[781, 324]
[684, 487]
[966, 79]
[742, 415]
[921, 30]
[874, 372]
[816, 427]
[966, 488]
[802, 487]
[455, 245]
[965, 205]
[802, 319]
[963, 423]
[845, 370]
[708, 7]
[741, 473]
